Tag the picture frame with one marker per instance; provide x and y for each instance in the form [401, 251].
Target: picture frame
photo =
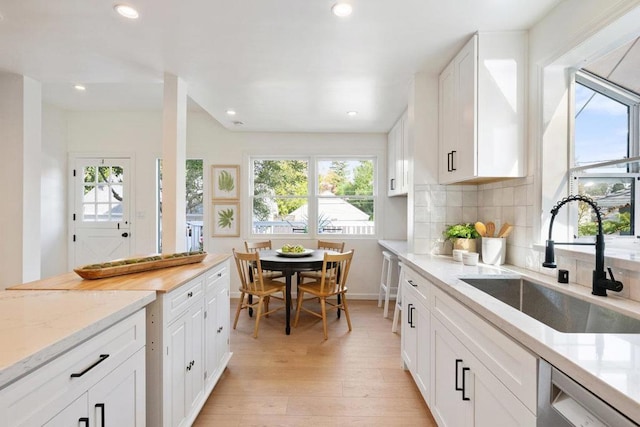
[225, 219]
[225, 182]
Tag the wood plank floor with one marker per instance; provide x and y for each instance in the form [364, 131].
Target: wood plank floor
[352, 379]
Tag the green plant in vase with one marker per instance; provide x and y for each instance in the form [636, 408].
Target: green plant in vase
[463, 236]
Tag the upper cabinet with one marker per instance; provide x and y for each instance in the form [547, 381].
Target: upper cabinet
[397, 157]
[481, 110]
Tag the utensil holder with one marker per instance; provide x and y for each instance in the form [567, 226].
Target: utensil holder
[494, 250]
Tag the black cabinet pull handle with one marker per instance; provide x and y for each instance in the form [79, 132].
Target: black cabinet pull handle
[190, 294]
[410, 314]
[84, 420]
[412, 284]
[125, 234]
[458, 362]
[453, 168]
[220, 274]
[101, 359]
[393, 183]
[101, 407]
[464, 371]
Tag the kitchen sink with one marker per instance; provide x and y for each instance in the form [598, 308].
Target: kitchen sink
[560, 311]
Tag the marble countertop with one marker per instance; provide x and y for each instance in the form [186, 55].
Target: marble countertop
[36, 326]
[606, 364]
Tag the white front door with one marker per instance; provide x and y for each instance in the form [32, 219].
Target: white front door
[101, 228]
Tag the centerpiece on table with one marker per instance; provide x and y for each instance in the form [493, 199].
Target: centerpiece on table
[463, 236]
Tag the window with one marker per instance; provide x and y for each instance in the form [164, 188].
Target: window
[313, 196]
[194, 180]
[605, 150]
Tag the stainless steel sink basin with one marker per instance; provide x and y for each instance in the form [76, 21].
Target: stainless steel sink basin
[555, 309]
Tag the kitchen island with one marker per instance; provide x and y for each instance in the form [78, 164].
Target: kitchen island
[605, 364]
[187, 330]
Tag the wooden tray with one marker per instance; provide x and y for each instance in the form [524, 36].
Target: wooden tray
[166, 261]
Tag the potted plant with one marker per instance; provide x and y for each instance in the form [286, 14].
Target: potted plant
[463, 236]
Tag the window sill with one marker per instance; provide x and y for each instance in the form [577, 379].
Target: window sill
[626, 258]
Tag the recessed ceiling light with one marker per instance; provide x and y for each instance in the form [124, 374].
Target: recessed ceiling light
[342, 9]
[80, 88]
[352, 113]
[126, 11]
[231, 112]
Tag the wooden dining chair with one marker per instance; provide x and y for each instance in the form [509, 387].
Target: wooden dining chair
[322, 244]
[332, 283]
[263, 246]
[253, 283]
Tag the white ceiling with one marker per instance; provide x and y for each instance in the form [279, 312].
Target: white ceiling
[284, 65]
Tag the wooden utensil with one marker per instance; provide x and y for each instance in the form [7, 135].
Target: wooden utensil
[491, 229]
[505, 230]
[481, 229]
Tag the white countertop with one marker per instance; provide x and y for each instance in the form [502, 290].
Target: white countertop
[36, 326]
[606, 364]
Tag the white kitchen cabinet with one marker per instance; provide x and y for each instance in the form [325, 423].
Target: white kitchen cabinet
[466, 393]
[216, 324]
[100, 379]
[189, 347]
[397, 157]
[416, 325]
[480, 376]
[481, 110]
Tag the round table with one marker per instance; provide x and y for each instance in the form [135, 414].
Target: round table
[273, 261]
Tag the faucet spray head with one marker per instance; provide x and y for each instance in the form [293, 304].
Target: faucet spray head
[549, 256]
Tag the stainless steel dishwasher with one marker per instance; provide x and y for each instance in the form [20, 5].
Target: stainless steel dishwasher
[564, 402]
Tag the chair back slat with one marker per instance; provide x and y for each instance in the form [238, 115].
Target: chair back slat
[331, 246]
[257, 246]
[249, 270]
[335, 270]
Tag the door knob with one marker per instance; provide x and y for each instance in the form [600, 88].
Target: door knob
[125, 234]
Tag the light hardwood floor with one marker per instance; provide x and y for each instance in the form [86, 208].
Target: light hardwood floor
[352, 379]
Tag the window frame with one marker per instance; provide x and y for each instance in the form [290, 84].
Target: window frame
[632, 101]
[313, 196]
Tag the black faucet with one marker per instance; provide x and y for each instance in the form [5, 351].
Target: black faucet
[600, 281]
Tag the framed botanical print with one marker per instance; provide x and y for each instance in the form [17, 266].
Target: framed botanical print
[226, 219]
[225, 182]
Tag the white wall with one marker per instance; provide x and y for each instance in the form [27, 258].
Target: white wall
[139, 135]
[53, 218]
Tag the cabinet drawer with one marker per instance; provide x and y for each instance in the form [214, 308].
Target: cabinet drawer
[179, 300]
[513, 365]
[216, 276]
[50, 388]
[419, 284]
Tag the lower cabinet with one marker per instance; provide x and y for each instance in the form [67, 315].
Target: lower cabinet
[189, 340]
[466, 393]
[99, 383]
[416, 326]
[469, 373]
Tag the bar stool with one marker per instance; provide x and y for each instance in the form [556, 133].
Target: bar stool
[398, 308]
[388, 261]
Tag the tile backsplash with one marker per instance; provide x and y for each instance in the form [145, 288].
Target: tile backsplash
[437, 206]
[512, 201]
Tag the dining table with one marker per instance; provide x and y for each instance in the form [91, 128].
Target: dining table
[288, 265]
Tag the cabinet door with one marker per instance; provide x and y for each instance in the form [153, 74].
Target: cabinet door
[447, 124]
[409, 332]
[222, 331]
[211, 334]
[177, 363]
[403, 154]
[448, 403]
[119, 398]
[393, 184]
[194, 386]
[73, 415]
[422, 319]
[466, 63]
